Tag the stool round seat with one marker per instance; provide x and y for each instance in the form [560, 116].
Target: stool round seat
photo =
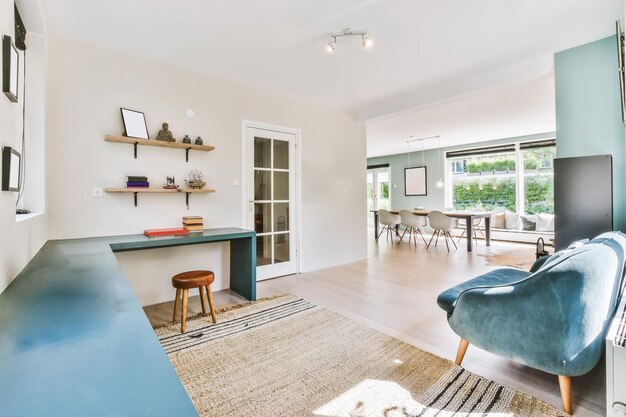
[185, 281]
[193, 279]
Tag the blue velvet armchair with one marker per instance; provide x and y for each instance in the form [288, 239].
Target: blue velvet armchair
[553, 319]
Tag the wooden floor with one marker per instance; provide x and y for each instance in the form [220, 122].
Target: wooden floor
[395, 291]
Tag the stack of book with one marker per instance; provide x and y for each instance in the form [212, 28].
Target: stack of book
[193, 223]
[134, 181]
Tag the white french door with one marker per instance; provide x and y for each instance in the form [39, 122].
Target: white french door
[271, 199]
[378, 191]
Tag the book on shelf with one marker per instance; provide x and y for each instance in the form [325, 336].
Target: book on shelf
[137, 184]
[192, 220]
[166, 232]
[134, 178]
[194, 228]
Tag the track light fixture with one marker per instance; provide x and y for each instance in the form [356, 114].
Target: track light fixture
[366, 40]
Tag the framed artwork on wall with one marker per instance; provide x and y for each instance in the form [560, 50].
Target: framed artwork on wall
[11, 161]
[415, 181]
[10, 69]
[134, 124]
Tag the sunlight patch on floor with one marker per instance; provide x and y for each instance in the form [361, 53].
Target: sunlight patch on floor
[373, 397]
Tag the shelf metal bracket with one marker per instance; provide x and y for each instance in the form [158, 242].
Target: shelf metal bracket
[187, 156]
[135, 146]
[187, 199]
[135, 194]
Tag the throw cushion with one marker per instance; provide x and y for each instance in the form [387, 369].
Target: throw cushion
[529, 222]
[545, 223]
[512, 221]
[499, 220]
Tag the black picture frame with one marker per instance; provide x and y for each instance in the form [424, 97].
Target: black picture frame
[10, 69]
[133, 127]
[411, 188]
[11, 158]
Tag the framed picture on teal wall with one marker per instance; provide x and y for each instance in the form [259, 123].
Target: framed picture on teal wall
[415, 181]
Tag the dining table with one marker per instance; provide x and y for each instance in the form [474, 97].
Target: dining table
[468, 216]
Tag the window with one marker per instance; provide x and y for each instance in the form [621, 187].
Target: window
[459, 167]
[490, 178]
[488, 182]
[539, 179]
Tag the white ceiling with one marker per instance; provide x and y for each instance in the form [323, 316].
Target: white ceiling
[424, 50]
[467, 70]
[502, 112]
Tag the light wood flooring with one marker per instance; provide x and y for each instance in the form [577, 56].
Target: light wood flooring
[395, 291]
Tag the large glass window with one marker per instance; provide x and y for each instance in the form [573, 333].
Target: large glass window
[491, 179]
[488, 181]
[539, 179]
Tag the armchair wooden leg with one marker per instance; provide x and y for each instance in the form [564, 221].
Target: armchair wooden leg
[565, 383]
[463, 344]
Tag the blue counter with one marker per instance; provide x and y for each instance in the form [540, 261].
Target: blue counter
[74, 340]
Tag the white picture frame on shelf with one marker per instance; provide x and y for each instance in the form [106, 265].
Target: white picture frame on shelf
[134, 124]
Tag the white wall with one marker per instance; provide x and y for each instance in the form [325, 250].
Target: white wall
[88, 85]
[19, 241]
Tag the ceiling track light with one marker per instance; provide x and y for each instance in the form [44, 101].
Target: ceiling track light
[366, 40]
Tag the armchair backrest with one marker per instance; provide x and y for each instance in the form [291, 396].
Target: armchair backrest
[585, 286]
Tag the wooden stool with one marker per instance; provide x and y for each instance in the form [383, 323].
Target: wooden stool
[193, 279]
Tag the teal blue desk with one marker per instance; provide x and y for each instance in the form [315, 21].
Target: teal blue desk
[74, 340]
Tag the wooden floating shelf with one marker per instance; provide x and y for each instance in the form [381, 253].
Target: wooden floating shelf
[159, 143]
[154, 190]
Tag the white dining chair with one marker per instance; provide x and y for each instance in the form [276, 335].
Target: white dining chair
[389, 221]
[477, 225]
[413, 224]
[441, 224]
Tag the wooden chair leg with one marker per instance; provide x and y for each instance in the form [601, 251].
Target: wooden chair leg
[431, 239]
[210, 296]
[452, 239]
[460, 354]
[176, 301]
[183, 319]
[565, 383]
[202, 301]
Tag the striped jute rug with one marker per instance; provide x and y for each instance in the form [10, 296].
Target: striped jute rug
[287, 357]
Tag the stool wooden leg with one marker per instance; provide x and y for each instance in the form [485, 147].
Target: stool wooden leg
[202, 301]
[183, 321]
[210, 296]
[176, 301]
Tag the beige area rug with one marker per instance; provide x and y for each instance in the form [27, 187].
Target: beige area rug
[287, 357]
[522, 259]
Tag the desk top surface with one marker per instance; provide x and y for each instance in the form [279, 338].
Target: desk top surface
[74, 340]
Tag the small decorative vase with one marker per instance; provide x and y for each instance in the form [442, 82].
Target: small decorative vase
[187, 139]
[199, 141]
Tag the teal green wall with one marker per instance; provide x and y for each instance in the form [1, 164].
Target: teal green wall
[588, 111]
[436, 196]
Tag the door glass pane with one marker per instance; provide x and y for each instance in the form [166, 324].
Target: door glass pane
[281, 154]
[383, 190]
[370, 198]
[262, 185]
[281, 248]
[281, 185]
[263, 250]
[262, 216]
[281, 217]
[262, 152]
